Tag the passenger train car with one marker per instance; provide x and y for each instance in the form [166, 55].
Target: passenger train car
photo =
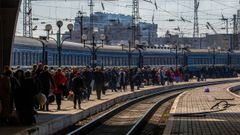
[28, 51]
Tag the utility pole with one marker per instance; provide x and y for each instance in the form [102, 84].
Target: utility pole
[234, 39]
[226, 21]
[234, 24]
[135, 20]
[91, 16]
[27, 18]
[196, 27]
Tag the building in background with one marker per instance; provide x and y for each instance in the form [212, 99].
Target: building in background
[116, 27]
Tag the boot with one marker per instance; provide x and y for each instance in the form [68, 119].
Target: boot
[59, 107]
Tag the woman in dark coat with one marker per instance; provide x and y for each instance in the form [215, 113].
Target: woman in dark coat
[77, 87]
[99, 82]
[46, 81]
[26, 111]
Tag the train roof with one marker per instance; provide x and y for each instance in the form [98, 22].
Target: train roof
[34, 42]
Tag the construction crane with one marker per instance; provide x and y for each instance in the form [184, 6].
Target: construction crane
[221, 38]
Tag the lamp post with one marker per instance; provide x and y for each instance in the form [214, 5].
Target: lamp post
[184, 48]
[59, 42]
[94, 48]
[140, 57]
[42, 39]
[130, 51]
[176, 53]
[80, 21]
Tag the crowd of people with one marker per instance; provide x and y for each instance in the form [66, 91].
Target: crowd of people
[19, 89]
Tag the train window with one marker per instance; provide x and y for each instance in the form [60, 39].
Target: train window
[37, 58]
[83, 60]
[27, 59]
[77, 60]
[30, 58]
[14, 58]
[23, 58]
[68, 60]
[53, 59]
[71, 57]
[56, 58]
[63, 58]
[34, 61]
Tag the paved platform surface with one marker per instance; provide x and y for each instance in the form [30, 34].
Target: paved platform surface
[51, 119]
[67, 108]
[191, 113]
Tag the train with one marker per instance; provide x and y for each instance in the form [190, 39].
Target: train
[29, 51]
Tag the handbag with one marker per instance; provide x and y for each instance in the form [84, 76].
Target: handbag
[92, 83]
[41, 98]
[106, 84]
[51, 98]
[70, 95]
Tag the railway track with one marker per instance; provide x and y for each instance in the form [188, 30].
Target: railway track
[143, 115]
[128, 118]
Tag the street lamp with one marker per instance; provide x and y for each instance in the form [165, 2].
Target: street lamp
[184, 48]
[59, 42]
[140, 57]
[174, 46]
[42, 39]
[80, 21]
[94, 47]
[131, 50]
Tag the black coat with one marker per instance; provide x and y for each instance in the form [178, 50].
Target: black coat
[99, 80]
[46, 80]
[87, 77]
[29, 90]
[77, 85]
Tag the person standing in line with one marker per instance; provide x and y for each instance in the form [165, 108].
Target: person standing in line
[122, 77]
[46, 81]
[60, 81]
[15, 90]
[5, 95]
[77, 88]
[99, 82]
[87, 78]
[28, 93]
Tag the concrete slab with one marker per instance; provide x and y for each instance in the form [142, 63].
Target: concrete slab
[185, 113]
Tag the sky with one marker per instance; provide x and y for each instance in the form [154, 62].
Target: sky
[50, 11]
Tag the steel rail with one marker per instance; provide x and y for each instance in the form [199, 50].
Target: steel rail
[98, 121]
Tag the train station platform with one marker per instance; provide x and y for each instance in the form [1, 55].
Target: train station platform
[197, 112]
[53, 121]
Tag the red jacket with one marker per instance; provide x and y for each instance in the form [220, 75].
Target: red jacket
[60, 81]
